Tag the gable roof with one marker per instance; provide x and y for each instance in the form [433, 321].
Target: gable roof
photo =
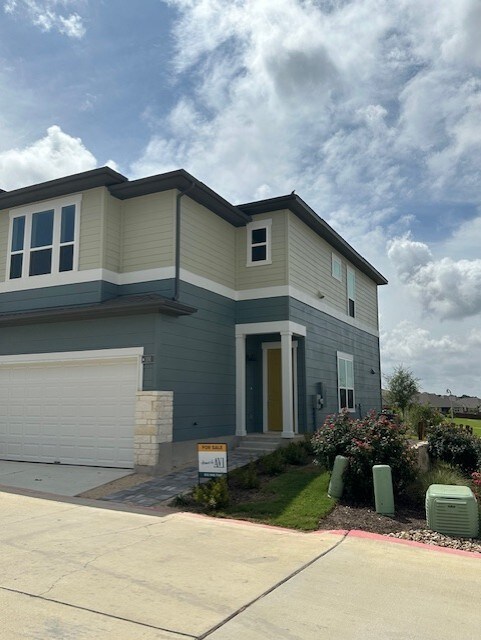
[304, 212]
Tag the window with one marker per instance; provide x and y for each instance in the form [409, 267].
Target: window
[44, 240]
[336, 265]
[351, 292]
[345, 380]
[259, 243]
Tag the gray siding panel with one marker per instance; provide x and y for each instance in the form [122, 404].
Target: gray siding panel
[263, 310]
[63, 295]
[86, 335]
[326, 336]
[196, 360]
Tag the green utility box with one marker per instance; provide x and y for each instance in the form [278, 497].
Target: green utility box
[452, 510]
[383, 491]
[336, 485]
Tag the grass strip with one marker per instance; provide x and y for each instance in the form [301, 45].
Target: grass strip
[297, 499]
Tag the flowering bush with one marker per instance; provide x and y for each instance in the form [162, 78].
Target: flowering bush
[476, 482]
[449, 443]
[365, 442]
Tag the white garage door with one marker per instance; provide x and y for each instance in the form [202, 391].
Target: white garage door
[73, 412]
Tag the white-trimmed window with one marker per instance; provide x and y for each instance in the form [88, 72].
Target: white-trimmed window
[259, 243]
[336, 267]
[351, 292]
[345, 381]
[43, 239]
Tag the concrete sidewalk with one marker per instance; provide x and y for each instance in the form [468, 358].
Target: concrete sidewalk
[74, 571]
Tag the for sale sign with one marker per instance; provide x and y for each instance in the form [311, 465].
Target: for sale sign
[212, 460]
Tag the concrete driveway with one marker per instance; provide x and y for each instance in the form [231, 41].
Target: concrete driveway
[82, 572]
[60, 479]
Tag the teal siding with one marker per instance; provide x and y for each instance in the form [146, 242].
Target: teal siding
[194, 356]
[326, 336]
[63, 295]
[263, 310]
[85, 335]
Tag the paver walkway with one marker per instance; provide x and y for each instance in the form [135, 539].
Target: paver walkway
[167, 487]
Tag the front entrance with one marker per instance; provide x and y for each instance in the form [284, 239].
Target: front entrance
[272, 364]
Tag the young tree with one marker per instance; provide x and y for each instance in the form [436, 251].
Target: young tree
[402, 387]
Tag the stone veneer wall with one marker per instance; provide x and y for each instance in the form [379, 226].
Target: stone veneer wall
[153, 425]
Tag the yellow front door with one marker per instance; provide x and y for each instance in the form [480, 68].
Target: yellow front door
[274, 390]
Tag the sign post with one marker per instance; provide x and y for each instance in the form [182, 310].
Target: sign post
[212, 459]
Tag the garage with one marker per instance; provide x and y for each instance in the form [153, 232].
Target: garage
[70, 408]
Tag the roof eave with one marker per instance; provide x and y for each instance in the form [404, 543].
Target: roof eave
[182, 180]
[101, 177]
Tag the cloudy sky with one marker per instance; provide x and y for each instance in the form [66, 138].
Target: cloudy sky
[370, 109]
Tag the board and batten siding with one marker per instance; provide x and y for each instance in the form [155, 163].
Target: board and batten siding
[148, 232]
[310, 270]
[207, 244]
[264, 275]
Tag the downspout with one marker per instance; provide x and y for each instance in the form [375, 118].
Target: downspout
[177, 240]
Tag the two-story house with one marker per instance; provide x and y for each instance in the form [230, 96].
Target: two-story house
[140, 317]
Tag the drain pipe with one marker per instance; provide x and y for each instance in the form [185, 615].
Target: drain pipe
[177, 241]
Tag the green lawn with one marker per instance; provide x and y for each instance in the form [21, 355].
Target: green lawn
[476, 424]
[296, 499]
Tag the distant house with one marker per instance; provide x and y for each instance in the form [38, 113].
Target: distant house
[139, 317]
[462, 404]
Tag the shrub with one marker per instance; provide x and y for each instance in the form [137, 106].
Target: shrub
[295, 454]
[365, 442]
[422, 416]
[440, 473]
[272, 464]
[476, 485]
[212, 495]
[248, 478]
[449, 443]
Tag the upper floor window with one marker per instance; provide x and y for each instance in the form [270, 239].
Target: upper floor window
[44, 239]
[259, 243]
[336, 267]
[351, 292]
[345, 380]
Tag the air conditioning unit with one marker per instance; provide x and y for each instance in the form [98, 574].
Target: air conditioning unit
[452, 510]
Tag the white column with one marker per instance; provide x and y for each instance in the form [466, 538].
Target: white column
[240, 381]
[287, 395]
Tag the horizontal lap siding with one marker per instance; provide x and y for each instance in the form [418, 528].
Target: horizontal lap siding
[196, 360]
[325, 336]
[310, 270]
[85, 335]
[269, 275]
[4, 225]
[310, 265]
[62, 295]
[148, 232]
[91, 229]
[366, 300]
[207, 244]
[112, 233]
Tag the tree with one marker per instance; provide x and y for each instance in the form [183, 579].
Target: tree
[402, 387]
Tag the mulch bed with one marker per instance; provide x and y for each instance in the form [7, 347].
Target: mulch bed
[365, 518]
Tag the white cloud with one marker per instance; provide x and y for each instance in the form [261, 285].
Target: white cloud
[45, 15]
[444, 361]
[55, 155]
[446, 287]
